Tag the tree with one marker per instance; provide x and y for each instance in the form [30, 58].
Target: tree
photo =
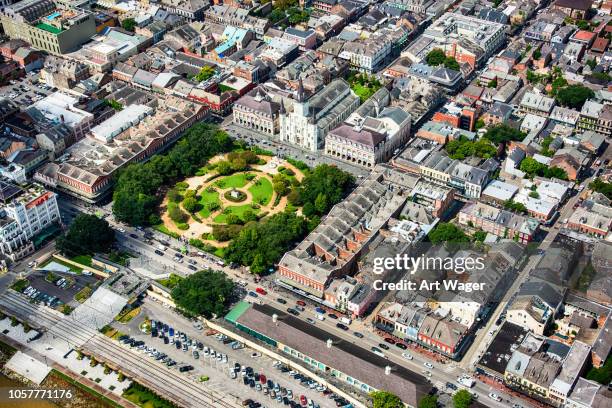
[280, 188]
[224, 168]
[592, 63]
[384, 399]
[205, 73]
[514, 206]
[239, 164]
[135, 199]
[88, 234]
[129, 24]
[276, 16]
[174, 195]
[574, 96]
[249, 216]
[324, 179]
[537, 54]
[492, 83]
[534, 194]
[503, 133]
[479, 236]
[600, 186]
[260, 245]
[435, 57]
[447, 232]
[204, 293]
[428, 401]
[531, 166]
[462, 399]
[190, 204]
[451, 63]
[321, 203]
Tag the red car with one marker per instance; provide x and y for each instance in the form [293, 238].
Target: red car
[301, 303]
[389, 340]
[262, 378]
[303, 400]
[261, 291]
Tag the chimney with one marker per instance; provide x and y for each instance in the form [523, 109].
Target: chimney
[329, 343]
[387, 370]
[274, 317]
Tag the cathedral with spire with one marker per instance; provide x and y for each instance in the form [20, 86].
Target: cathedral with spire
[310, 118]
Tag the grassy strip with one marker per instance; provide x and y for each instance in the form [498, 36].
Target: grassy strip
[164, 230]
[144, 397]
[86, 389]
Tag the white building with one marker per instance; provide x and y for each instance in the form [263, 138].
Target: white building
[59, 107]
[308, 121]
[24, 213]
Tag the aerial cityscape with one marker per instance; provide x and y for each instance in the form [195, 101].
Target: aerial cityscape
[305, 203]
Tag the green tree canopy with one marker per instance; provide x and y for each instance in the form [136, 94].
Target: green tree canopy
[602, 187]
[325, 180]
[462, 399]
[205, 293]
[87, 234]
[451, 63]
[135, 199]
[428, 401]
[384, 399]
[191, 204]
[574, 96]
[447, 232]
[205, 73]
[503, 133]
[129, 24]
[435, 57]
[260, 245]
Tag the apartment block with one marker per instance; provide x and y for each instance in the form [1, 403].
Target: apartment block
[24, 213]
[44, 26]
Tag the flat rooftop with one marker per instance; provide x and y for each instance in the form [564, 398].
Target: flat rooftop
[496, 357]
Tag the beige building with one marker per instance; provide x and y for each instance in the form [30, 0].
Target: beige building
[372, 141]
[46, 27]
[256, 110]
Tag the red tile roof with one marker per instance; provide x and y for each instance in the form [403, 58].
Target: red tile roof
[583, 35]
[600, 44]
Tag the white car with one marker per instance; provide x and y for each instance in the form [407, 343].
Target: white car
[407, 356]
[428, 365]
[495, 397]
[121, 230]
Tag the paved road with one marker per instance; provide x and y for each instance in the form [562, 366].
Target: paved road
[287, 150]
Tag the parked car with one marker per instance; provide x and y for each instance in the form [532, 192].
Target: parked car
[342, 326]
[261, 291]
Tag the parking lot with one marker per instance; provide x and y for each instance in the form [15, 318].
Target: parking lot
[64, 294]
[244, 384]
[26, 90]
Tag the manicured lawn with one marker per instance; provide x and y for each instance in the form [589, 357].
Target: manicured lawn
[364, 92]
[237, 210]
[205, 199]
[262, 193]
[82, 259]
[234, 181]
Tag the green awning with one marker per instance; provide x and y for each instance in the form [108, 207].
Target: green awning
[237, 311]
